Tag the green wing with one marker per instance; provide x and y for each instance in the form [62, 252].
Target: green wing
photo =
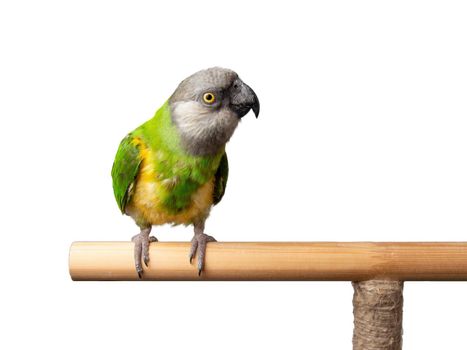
[220, 179]
[124, 171]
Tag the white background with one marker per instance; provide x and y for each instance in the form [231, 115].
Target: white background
[362, 136]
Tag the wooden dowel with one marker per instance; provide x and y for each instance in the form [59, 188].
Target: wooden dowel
[326, 261]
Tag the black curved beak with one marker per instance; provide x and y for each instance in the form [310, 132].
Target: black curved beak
[243, 98]
[255, 106]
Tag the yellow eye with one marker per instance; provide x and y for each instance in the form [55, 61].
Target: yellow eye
[209, 98]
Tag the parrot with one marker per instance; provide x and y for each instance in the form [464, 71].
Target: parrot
[173, 168]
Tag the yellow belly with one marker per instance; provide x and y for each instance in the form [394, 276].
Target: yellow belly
[145, 206]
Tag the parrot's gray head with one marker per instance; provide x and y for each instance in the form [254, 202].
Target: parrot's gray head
[207, 106]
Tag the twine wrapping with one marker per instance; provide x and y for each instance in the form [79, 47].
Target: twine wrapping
[377, 315]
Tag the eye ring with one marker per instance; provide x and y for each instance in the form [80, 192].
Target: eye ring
[209, 98]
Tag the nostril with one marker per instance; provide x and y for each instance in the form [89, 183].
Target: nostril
[235, 86]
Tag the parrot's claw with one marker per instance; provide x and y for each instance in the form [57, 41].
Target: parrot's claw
[198, 246]
[141, 251]
[146, 254]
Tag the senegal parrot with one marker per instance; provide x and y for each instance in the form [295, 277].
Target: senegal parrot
[174, 168]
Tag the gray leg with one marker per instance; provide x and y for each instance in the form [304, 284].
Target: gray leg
[142, 241]
[198, 245]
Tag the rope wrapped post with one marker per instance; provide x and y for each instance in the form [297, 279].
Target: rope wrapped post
[377, 315]
[379, 268]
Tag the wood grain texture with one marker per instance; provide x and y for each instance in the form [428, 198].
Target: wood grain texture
[276, 261]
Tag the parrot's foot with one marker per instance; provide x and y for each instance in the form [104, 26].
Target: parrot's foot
[198, 246]
[142, 241]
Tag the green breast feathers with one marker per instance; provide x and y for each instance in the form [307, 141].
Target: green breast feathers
[150, 174]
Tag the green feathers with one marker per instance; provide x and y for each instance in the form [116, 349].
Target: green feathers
[220, 180]
[124, 171]
[154, 149]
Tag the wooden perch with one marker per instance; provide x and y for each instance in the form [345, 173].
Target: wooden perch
[326, 261]
[379, 270]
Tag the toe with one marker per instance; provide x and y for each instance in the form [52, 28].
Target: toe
[210, 239]
[141, 252]
[137, 254]
[140, 272]
[201, 254]
[194, 247]
[145, 253]
[204, 239]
